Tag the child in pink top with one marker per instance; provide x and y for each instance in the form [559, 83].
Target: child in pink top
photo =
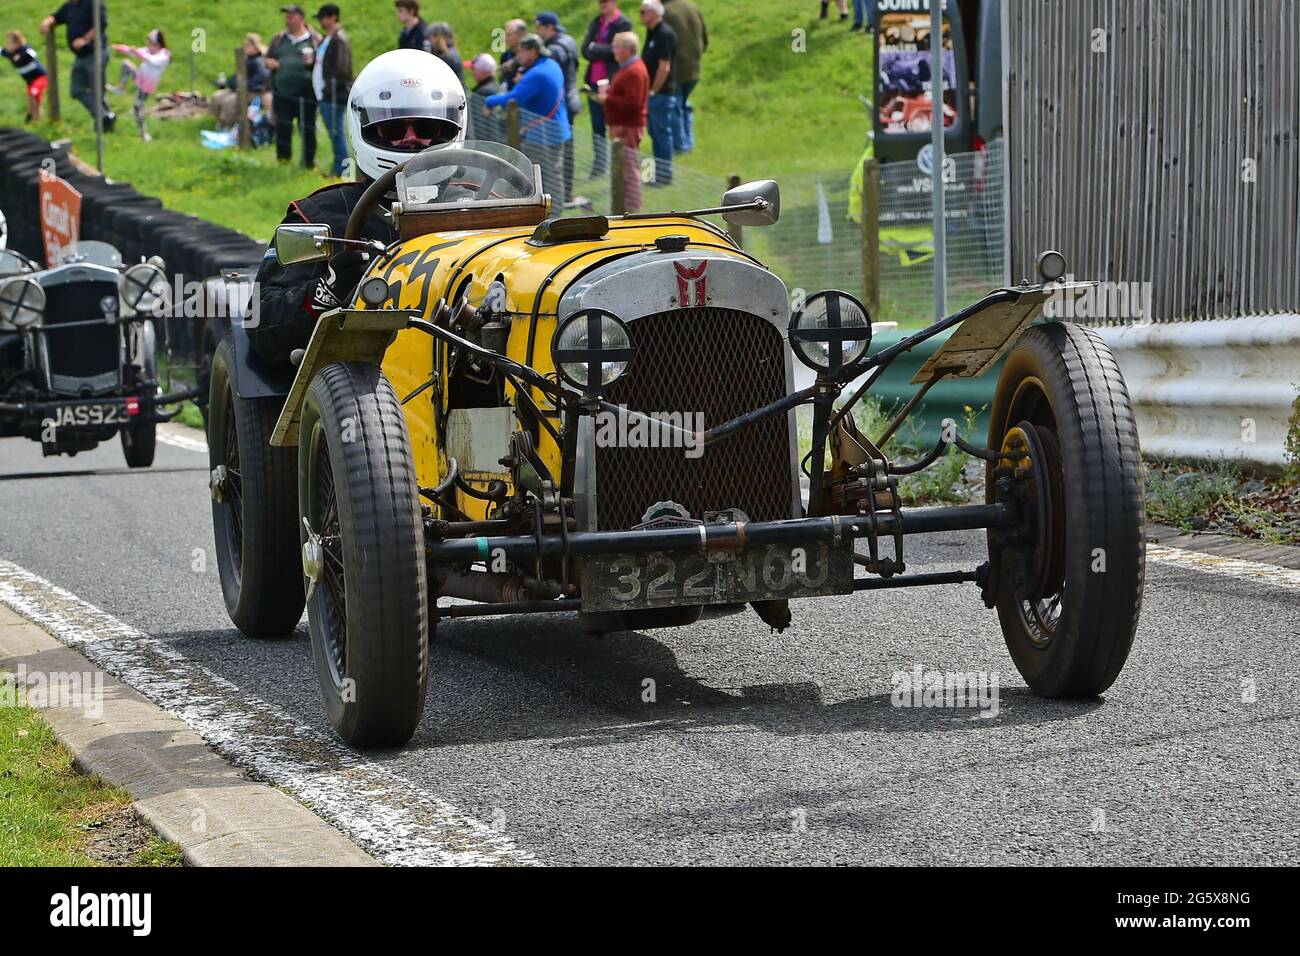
[147, 72]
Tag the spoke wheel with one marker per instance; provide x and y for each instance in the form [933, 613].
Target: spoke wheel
[234, 492]
[330, 596]
[1067, 578]
[362, 541]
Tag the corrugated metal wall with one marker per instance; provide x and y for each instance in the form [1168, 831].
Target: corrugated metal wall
[1156, 141]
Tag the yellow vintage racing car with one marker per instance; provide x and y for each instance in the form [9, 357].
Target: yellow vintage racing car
[527, 414]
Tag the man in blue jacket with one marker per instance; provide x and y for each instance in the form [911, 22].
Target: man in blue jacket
[543, 112]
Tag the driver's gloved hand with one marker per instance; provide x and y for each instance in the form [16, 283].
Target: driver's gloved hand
[342, 273]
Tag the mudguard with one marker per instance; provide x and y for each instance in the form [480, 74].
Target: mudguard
[341, 335]
[253, 376]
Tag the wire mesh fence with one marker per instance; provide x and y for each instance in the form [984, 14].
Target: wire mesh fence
[818, 242]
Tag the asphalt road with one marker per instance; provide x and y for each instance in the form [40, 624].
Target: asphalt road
[537, 745]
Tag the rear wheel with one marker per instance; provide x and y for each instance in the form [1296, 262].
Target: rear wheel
[203, 376]
[254, 511]
[363, 553]
[1068, 582]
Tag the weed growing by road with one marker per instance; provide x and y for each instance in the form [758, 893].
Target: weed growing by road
[1292, 473]
[1216, 497]
[944, 482]
[51, 815]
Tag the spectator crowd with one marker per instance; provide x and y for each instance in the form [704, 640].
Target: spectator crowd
[636, 85]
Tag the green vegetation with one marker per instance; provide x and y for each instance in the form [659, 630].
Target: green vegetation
[190, 415]
[798, 111]
[944, 482]
[1177, 496]
[1217, 497]
[49, 811]
[159, 852]
[1292, 473]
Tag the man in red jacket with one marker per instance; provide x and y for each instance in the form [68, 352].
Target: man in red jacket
[625, 101]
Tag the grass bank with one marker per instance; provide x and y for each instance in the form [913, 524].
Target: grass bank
[778, 95]
[51, 815]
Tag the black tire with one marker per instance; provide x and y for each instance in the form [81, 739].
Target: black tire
[140, 439]
[255, 527]
[1063, 381]
[139, 442]
[369, 613]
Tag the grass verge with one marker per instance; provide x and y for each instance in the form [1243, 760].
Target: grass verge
[950, 480]
[51, 815]
[1217, 497]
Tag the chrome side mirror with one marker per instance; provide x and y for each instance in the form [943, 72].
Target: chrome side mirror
[305, 243]
[765, 192]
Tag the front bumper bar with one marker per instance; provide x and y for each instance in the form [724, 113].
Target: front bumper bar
[39, 411]
[722, 537]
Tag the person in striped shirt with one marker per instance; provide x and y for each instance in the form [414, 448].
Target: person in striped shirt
[29, 67]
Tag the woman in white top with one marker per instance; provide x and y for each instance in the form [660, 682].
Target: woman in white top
[147, 72]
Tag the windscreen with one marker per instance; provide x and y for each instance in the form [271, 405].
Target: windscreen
[12, 264]
[94, 252]
[470, 172]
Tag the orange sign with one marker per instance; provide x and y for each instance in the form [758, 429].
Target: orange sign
[60, 216]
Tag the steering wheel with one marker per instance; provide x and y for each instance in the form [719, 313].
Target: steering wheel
[497, 169]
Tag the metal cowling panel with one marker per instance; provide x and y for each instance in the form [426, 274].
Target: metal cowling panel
[721, 363]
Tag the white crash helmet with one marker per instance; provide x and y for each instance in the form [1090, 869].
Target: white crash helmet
[403, 85]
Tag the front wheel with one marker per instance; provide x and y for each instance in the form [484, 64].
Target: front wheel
[1067, 581]
[140, 438]
[363, 555]
[139, 442]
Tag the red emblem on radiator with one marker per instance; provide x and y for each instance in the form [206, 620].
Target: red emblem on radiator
[687, 277]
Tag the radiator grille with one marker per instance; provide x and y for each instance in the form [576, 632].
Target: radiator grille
[721, 362]
[84, 353]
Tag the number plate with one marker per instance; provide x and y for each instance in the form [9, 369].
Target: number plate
[90, 414]
[628, 582]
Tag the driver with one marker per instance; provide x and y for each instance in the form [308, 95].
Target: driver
[404, 101]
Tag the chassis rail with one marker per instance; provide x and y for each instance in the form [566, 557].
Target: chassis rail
[722, 537]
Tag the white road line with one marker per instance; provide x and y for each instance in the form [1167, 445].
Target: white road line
[1234, 567]
[182, 441]
[397, 822]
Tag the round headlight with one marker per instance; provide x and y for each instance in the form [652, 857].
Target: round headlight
[592, 349]
[1051, 265]
[22, 303]
[143, 285]
[832, 331]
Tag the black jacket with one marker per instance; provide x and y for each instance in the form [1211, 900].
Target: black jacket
[564, 51]
[336, 67]
[603, 51]
[293, 297]
[415, 37]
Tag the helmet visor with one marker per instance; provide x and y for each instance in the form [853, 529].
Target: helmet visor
[411, 134]
[419, 99]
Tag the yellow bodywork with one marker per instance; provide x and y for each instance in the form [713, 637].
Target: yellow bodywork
[449, 265]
